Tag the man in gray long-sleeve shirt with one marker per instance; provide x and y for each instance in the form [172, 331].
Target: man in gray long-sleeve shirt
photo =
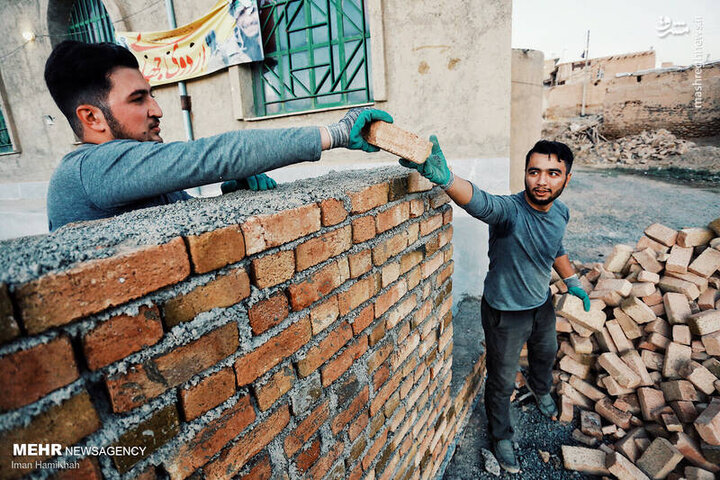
[123, 163]
[526, 231]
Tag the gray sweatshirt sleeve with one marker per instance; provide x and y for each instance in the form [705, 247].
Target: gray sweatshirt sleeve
[491, 209]
[123, 171]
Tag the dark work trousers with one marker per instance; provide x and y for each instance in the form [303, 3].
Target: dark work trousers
[505, 334]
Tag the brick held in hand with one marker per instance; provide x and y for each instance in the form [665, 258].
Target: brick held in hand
[395, 140]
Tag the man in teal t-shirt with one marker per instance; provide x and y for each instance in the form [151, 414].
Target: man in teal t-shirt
[526, 232]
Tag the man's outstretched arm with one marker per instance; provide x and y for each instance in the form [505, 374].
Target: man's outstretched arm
[491, 209]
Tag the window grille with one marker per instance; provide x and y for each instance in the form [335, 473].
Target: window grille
[90, 22]
[316, 56]
[6, 145]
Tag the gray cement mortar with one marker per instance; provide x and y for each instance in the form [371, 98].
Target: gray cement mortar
[26, 258]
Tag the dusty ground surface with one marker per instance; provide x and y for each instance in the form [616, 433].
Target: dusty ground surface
[607, 207]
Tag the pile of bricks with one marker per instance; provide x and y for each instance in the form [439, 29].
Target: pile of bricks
[643, 365]
[311, 342]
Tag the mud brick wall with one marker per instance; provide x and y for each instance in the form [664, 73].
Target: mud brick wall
[300, 333]
[663, 100]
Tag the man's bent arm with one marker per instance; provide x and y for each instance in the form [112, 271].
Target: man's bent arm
[121, 172]
[563, 267]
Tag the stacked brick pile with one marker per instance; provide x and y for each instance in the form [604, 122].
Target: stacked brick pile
[314, 342]
[643, 366]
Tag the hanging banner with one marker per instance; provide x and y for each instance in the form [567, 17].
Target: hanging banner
[229, 34]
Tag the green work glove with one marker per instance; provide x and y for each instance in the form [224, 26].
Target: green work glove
[435, 167]
[348, 131]
[253, 182]
[575, 288]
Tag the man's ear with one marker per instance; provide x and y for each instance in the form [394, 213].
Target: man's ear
[91, 118]
[567, 180]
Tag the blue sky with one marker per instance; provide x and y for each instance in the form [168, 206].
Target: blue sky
[558, 28]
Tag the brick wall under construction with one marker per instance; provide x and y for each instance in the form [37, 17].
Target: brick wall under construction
[300, 333]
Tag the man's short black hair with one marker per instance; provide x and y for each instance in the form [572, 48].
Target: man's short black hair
[77, 73]
[549, 147]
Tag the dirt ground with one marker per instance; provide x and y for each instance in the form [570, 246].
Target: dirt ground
[606, 207]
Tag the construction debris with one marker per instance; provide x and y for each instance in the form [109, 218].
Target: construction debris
[657, 148]
[643, 365]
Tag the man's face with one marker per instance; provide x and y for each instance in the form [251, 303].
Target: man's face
[545, 178]
[133, 112]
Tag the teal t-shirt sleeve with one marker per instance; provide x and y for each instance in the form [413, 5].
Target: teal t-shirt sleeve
[491, 209]
[121, 172]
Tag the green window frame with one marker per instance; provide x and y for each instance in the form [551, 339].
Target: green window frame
[6, 145]
[317, 56]
[90, 22]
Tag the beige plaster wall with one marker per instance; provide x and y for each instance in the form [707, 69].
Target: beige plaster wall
[525, 111]
[664, 100]
[447, 70]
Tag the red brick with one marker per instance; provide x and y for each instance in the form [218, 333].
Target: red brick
[152, 433]
[378, 444]
[384, 393]
[652, 402]
[321, 352]
[606, 409]
[392, 217]
[336, 367]
[389, 248]
[691, 451]
[263, 358]
[332, 212]
[417, 207]
[389, 298]
[89, 470]
[324, 314]
[320, 468]
[439, 199]
[318, 285]
[91, 287]
[29, 375]
[347, 414]
[358, 425]
[262, 470]
[363, 229]
[306, 428]
[232, 459]
[659, 458]
[586, 460]
[410, 259]
[447, 216]
[213, 250]
[430, 266]
[269, 312]
[306, 458]
[662, 234]
[360, 263]
[363, 319]
[319, 249]
[707, 423]
[378, 356]
[273, 269]
[358, 293]
[148, 380]
[210, 392]
[277, 386]
[122, 335]
[431, 224]
[369, 198]
[226, 290]
[9, 328]
[66, 424]
[266, 231]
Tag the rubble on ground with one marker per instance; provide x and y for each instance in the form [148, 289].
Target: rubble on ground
[641, 370]
[649, 149]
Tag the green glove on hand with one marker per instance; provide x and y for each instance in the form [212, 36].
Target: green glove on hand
[253, 182]
[575, 288]
[348, 131]
[435, 167]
